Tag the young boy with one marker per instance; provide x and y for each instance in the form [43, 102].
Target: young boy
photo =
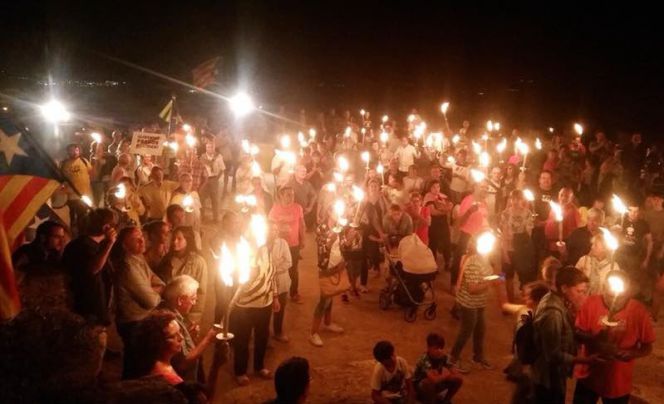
[434, 375]
[391, 382]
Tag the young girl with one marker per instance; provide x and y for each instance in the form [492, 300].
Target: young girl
[472, 294]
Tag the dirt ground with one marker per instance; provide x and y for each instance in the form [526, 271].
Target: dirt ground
[342, 367]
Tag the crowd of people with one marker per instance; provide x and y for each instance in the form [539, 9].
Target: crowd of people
[135, 227]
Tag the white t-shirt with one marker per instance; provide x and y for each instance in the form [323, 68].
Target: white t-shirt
[391, 384]
[406, 156]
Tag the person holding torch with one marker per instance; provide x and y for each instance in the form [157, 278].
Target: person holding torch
[618, 329]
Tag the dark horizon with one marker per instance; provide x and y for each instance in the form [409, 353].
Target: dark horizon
[522, 65]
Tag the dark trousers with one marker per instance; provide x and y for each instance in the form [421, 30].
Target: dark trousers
[130, 367]
[472, 323]
[544, 395]
[228, 174]
[462, 246]
[242, 322]
[584, 395]
[77, 214]
[211, 191]
[292, 271]
[278, 318]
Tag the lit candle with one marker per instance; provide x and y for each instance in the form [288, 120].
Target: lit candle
[578, 128]
[384, 137]
[620, 208]
[489, 126]
[358, 195]
[366, 157]
[188, 203]
[477, 175]
[190, 140]
[343, 164]
[538, 144]
[285, 142]
[380, 170]
[558, 215]
[96, 137]
[87, 200]
[485, 243]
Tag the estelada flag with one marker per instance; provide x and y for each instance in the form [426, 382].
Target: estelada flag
[28, 177]
[205, 73]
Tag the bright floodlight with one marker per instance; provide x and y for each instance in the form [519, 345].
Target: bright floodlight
[241, 104]
[54, 111]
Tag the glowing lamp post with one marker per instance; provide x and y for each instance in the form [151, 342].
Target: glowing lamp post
[55, 112]
[241, 104]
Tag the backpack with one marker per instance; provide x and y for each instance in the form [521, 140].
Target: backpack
[524, 344]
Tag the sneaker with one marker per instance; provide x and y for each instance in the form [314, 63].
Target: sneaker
[265, 374]
[242, 380]
[363, 289]
[456, 365]
[482, 364]
[281, 338]
[316, 340]
[333, 328]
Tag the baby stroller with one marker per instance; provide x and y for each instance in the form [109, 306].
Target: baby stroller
[410, 284]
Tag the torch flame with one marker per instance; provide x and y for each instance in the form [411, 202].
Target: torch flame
[358, 193]
[258, 226]
[444, 107]
[365, 156]
[616, 284]
[190, 140]
[477, 175]
[285, 142]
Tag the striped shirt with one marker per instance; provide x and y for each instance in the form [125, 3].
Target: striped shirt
[259, 291]
[475, 268]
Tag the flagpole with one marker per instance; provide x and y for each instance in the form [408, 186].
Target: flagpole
[170, 120]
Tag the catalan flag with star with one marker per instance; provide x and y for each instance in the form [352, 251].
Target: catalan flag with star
[28, 177]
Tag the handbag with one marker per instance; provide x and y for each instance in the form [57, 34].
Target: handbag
[335, 282]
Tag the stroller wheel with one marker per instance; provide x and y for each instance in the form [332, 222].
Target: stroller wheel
[384, 300]
[410, 314]
[430, 312]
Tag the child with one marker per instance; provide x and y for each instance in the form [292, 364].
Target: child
[391, 382]
[433, 375]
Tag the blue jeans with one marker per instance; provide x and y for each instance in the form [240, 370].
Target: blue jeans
[472, 323]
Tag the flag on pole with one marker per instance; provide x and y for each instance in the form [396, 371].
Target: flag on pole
[167, 112]
[205, 73]
[27, 179]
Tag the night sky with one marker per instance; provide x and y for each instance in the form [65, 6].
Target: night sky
[523, 64]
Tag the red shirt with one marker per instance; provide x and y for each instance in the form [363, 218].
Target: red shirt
[571, 221]
[614, 378]
[288, 218]
[423, 230]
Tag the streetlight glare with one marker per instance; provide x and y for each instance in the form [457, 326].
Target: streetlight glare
[54, 111]
[241, 104]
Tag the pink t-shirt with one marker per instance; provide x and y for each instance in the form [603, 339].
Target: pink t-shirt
[477, 220]
[288, 218]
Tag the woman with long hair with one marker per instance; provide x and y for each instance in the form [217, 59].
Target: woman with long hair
[184, 258]
[160, 339]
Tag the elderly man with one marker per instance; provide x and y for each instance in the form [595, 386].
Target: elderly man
[179, 297]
